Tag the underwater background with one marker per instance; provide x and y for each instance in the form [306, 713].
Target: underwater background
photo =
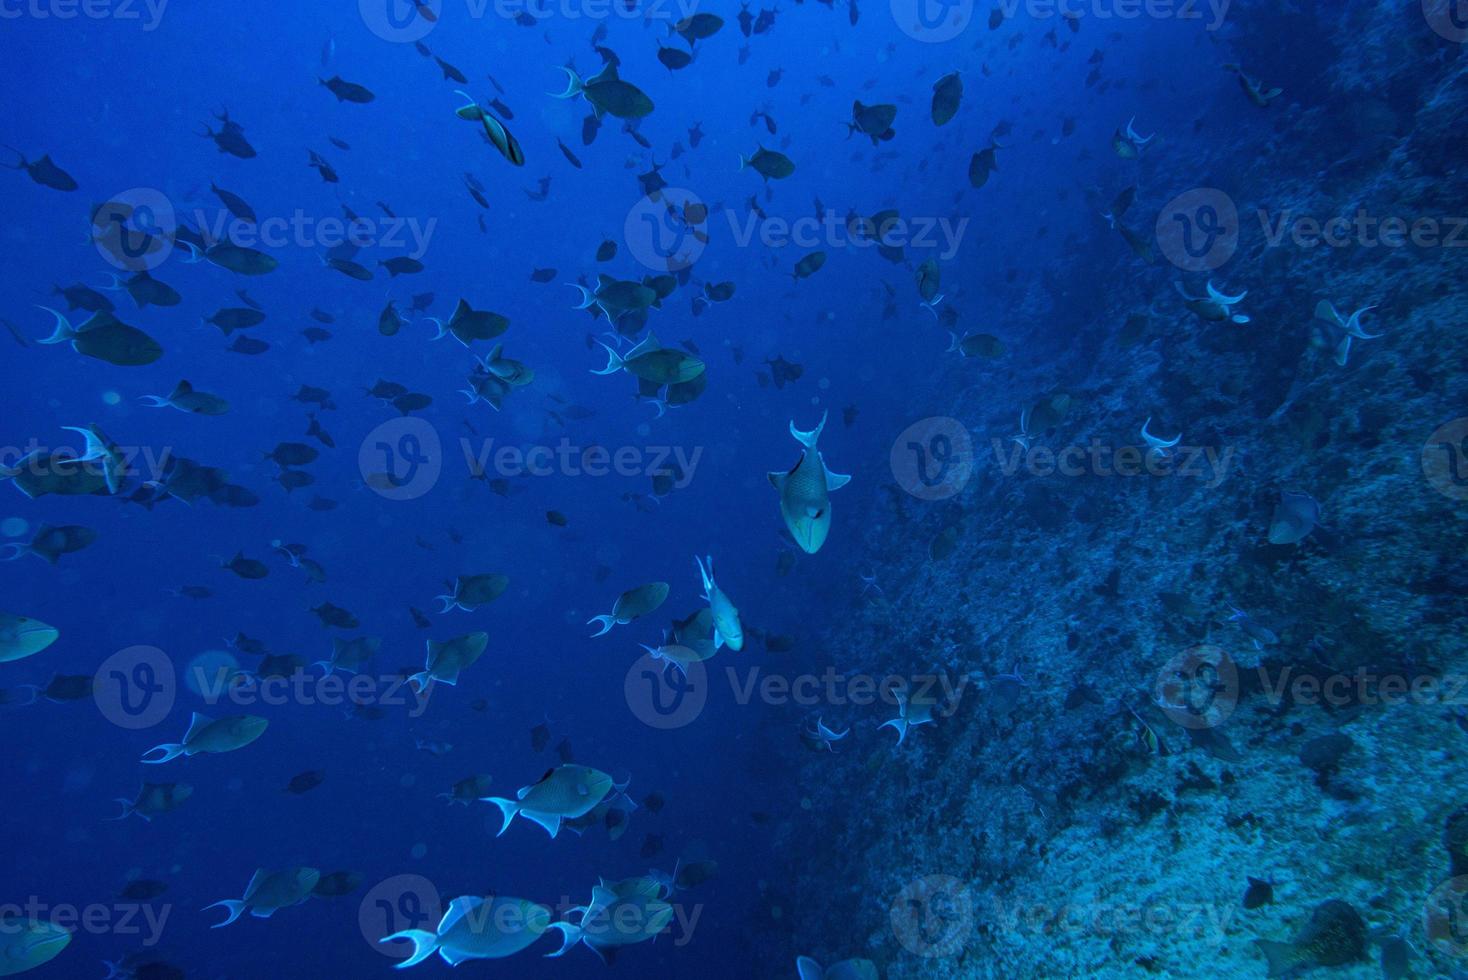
[1058, 695]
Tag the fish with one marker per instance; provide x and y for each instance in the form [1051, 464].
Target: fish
[450, 73]
[43, 171]
[1258, 94]
[268, 892]
[808, 266]
[186, 399]
[727, 627]
[472, 592]
[976, 345]
[27, 942]
[650, 361]
[1258, 894]
[234, 204]
[105, 338]
[805, 491]
[210, 735]
[468, 790]
[240, 259]
[769, 164]
[565, 792]
[467, 324]
[230, 319]
[305, 782]
[401, 266]
[631, 605]
[338, 883]
[607, 93]
[154, 799]
[874, 121]
[983, 164]
[21, 637]
[446, 660]
[495, 132]
[1335, 935]
[50, 543]
[809, 969]
[143, 889]
[475, 928]
[947, 94]
[351, 655]
[230, 138]
[347, 91]
[619, 914]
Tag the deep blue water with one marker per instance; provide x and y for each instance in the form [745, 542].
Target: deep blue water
[119, 103]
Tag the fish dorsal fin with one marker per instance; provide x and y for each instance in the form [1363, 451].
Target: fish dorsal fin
[1325, 310]
[604, 281]
[834, 481]
[435, 650]
[648, 345]
[602, 898]
[462, 310]
[196, 725]
[808, 439]
[256, 880]
[809, 969]
[457, 909]
[182, 388]
[495, 353]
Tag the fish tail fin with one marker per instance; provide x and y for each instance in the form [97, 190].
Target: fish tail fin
[614, 361]
[171, 751]
[587, 299]
[420, 681]
[901, 726]
[127, 809]
[20, 549]
[571, 934]
[442, 330]
[743, 161]
[20, 166]
[327, 664]
[447, 600]
[706, 573]
[63, 331]
[154, 401]
[574, 86]
[425, 944]
[607, 622]
[1281, 956]
[809, 439]
[953, 343]
[508, 809]
[235, 907]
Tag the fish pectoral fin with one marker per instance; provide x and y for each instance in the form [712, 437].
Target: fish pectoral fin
[835, 481]
[777, 480]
